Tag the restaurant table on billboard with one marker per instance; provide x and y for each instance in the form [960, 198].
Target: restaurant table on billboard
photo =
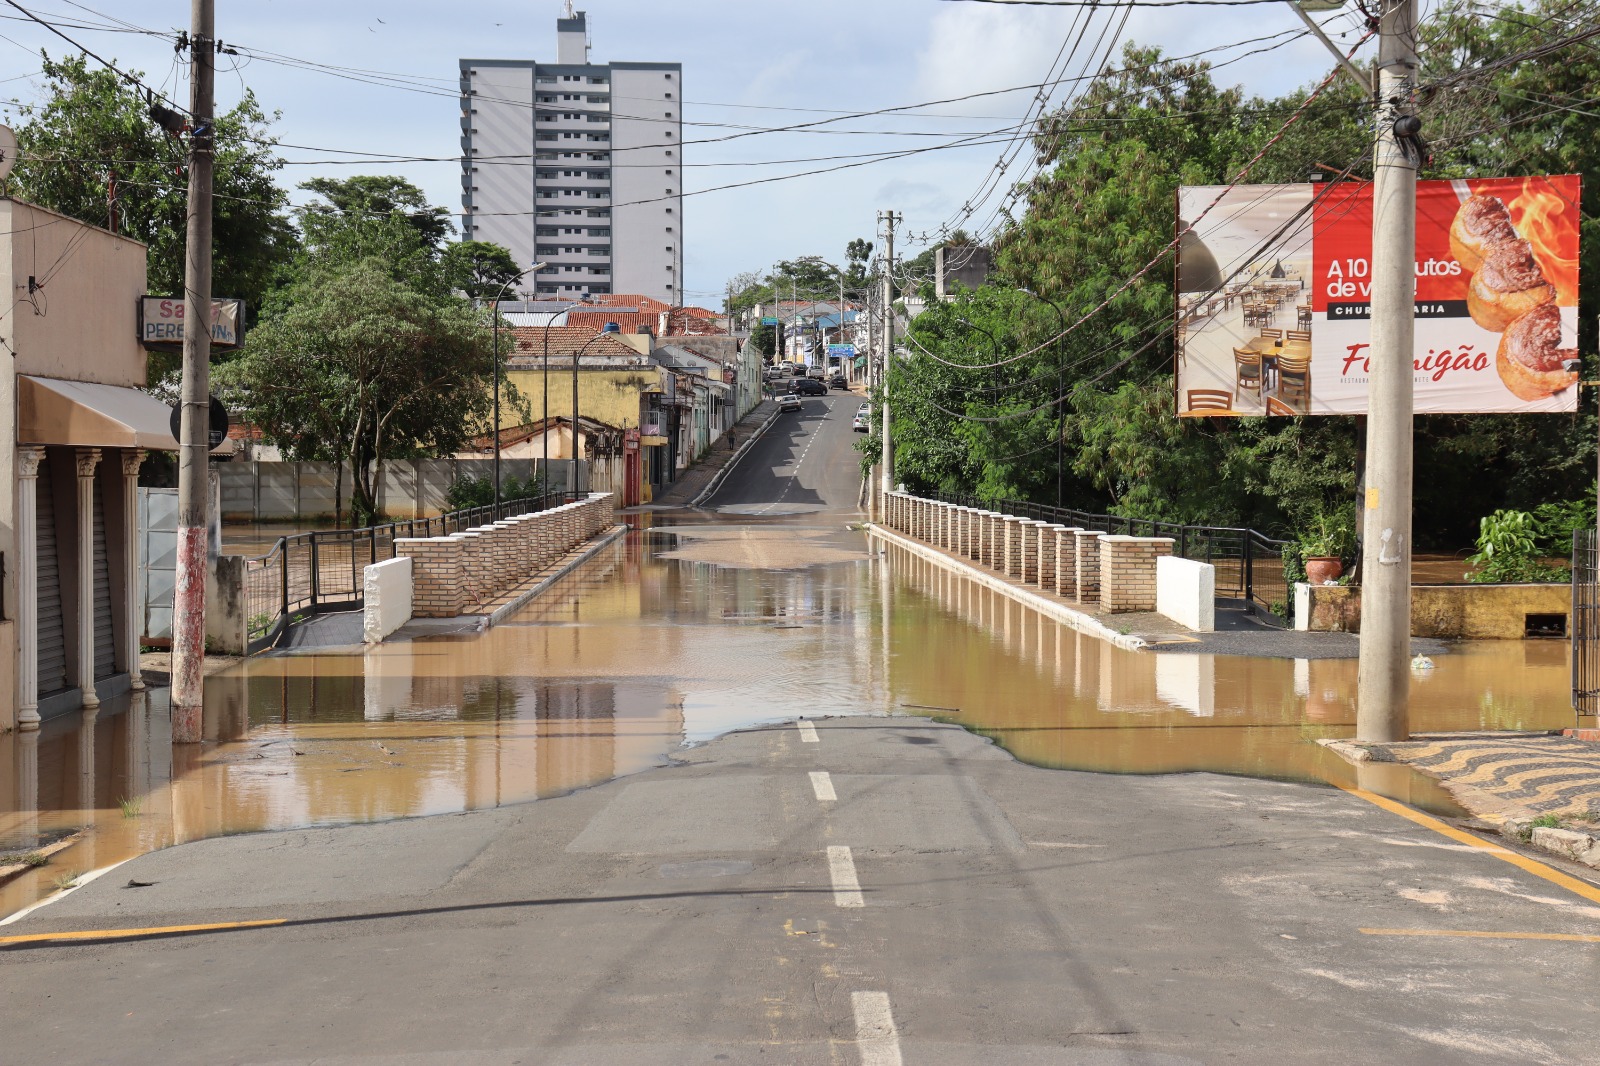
[1275, 284]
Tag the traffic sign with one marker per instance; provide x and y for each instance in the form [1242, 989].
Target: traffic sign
[219, 424]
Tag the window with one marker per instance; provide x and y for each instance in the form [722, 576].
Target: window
[669, 151]
[669, 229]
[669, 77]
[669, 133]
[669, 96]
[669, 192]
[669, 247]
[669, 210]
[669, 114]
[669, 170]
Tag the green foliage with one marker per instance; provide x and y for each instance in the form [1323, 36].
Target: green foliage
[1509, 550]
[468, 491]
[480, 269]
[93, 136]
[1330, 536]
[358, 365]
[765, 339]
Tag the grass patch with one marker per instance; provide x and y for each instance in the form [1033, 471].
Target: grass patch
[130, 807]
[65, 880]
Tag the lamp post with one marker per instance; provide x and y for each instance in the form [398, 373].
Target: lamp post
[534, 269]
[1061, 414]
[545, 387]
[575, 361]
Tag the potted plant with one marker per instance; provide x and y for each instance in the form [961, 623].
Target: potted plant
[1325, 547]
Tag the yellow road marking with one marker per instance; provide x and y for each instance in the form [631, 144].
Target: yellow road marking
[1483, 934]
[1532, 866]
[124, 934]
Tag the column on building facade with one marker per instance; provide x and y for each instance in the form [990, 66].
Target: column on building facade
[133, 623]
[88, 459]
[27, 536]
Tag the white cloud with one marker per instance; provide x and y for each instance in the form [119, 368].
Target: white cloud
[982, 47]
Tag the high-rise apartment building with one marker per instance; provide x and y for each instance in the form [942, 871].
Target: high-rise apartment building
[578, 165]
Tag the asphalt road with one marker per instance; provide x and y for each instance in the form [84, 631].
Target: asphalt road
[893, 891]
[806, 463]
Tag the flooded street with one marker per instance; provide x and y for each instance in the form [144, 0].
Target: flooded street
[675, 636]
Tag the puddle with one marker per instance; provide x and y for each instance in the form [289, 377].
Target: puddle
[666, 640]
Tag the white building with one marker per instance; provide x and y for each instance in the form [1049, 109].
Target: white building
[578, 165]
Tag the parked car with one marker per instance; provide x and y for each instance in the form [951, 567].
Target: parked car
[810, 387]
[798, 370]
[817, 373]
[862, 423]
[838, 382]
[789, 402]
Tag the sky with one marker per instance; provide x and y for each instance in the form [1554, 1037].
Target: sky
[746, 67]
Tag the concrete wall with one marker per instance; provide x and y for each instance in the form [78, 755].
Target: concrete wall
[226, 606]
[386, 598]
[1186, 592]
[267, 492]
[1466, 612]
[83, 326]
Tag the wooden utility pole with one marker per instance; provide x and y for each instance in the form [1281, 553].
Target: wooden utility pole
[194, 446]
[1383, 688]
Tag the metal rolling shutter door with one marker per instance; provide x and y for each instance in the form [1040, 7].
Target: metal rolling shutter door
[105, 646]
[52, 634]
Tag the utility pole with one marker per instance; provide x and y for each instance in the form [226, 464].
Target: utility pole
[1383, 692]
[886, 423]
[194, 445]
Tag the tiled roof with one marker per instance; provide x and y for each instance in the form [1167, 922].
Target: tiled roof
[564, 341]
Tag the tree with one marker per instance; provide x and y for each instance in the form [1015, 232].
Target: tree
[92, 152]
[765, 339]
[360, 366]
[480, 269]
[375, 217]
[380, 195]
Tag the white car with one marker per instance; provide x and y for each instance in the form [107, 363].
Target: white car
[862, 423]
[788, 402]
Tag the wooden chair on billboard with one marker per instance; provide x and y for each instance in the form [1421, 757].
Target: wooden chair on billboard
[1276, 406]
[1294, 380]
[1209, 400]
[1246, 371]
[1274, 332]
[1303, 316]
[1297, 335]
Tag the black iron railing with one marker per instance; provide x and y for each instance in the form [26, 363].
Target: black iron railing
[1585, 622]
[1249, 563]
[308, 573]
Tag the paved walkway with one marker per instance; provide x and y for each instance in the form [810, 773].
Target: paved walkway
[1504, 776]
[693, 481]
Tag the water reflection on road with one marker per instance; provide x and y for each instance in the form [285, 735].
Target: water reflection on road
[637, 654]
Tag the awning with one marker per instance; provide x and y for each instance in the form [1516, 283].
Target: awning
[50, 411]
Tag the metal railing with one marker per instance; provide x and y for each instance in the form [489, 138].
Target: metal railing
[1585, 622]
[1249, 563]
[307, 573]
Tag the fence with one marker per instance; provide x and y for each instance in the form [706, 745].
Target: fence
[1249, 564]
[307, 573]
[1585, 622]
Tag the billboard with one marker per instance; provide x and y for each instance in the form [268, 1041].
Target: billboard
[161, 322]
[1274, 297]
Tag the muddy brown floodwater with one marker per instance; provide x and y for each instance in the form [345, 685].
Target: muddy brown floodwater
[675, 636]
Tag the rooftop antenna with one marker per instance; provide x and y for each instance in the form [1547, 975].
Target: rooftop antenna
[570, 13]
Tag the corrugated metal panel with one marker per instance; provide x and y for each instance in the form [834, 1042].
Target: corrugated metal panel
[52, 632]
[105, 646]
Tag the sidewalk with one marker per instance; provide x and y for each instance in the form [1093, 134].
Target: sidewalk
[682, 492]
[1538, 788]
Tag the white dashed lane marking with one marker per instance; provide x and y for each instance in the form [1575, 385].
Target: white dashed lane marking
[846, 886]
[822, 785]
[808, 732]
[876, 1036]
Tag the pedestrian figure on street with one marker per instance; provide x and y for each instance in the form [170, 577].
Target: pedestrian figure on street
[733, 442]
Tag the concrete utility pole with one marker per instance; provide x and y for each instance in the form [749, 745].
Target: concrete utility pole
[886, 422]
[1383, 693]
[194, 447]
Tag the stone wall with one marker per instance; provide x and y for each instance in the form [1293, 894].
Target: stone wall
[1462, 612]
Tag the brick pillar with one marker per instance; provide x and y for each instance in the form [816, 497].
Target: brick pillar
[1049, 537]
[1087, 552]
[435, 575]
[991, 538]
[1008, 544]
[1066, 551]
[1028, 563]
[1128, 572]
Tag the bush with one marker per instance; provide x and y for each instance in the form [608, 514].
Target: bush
[469, 491]
[1510, 547]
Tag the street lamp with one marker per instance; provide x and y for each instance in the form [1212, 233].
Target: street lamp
[1061, 412]
[534, 269]
[545, 472]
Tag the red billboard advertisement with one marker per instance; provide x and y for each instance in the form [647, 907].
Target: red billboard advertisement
[1274, 297]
